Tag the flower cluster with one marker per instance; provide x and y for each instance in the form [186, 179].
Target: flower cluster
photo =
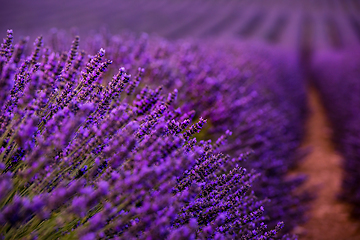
[87, 156]
[337, 76]
[255, 92]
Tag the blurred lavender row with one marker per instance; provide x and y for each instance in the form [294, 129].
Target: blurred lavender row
[337, 76]
[306, 24]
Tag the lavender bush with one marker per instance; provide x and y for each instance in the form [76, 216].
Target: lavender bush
[87, 156]
[256, 93]
[337, 75]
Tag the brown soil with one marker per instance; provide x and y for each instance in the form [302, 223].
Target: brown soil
[329, 218]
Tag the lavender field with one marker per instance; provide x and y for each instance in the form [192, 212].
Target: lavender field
[179, 119]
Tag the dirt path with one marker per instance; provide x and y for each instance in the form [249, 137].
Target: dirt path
[329, 218]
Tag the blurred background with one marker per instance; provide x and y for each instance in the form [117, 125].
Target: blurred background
[307, 24]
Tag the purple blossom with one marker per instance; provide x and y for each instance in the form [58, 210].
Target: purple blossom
[83, 160]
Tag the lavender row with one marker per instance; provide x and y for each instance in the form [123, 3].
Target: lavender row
[255, 92]
[88, 155]
[337, 75]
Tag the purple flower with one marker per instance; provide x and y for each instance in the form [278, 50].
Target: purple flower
[83, 159]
